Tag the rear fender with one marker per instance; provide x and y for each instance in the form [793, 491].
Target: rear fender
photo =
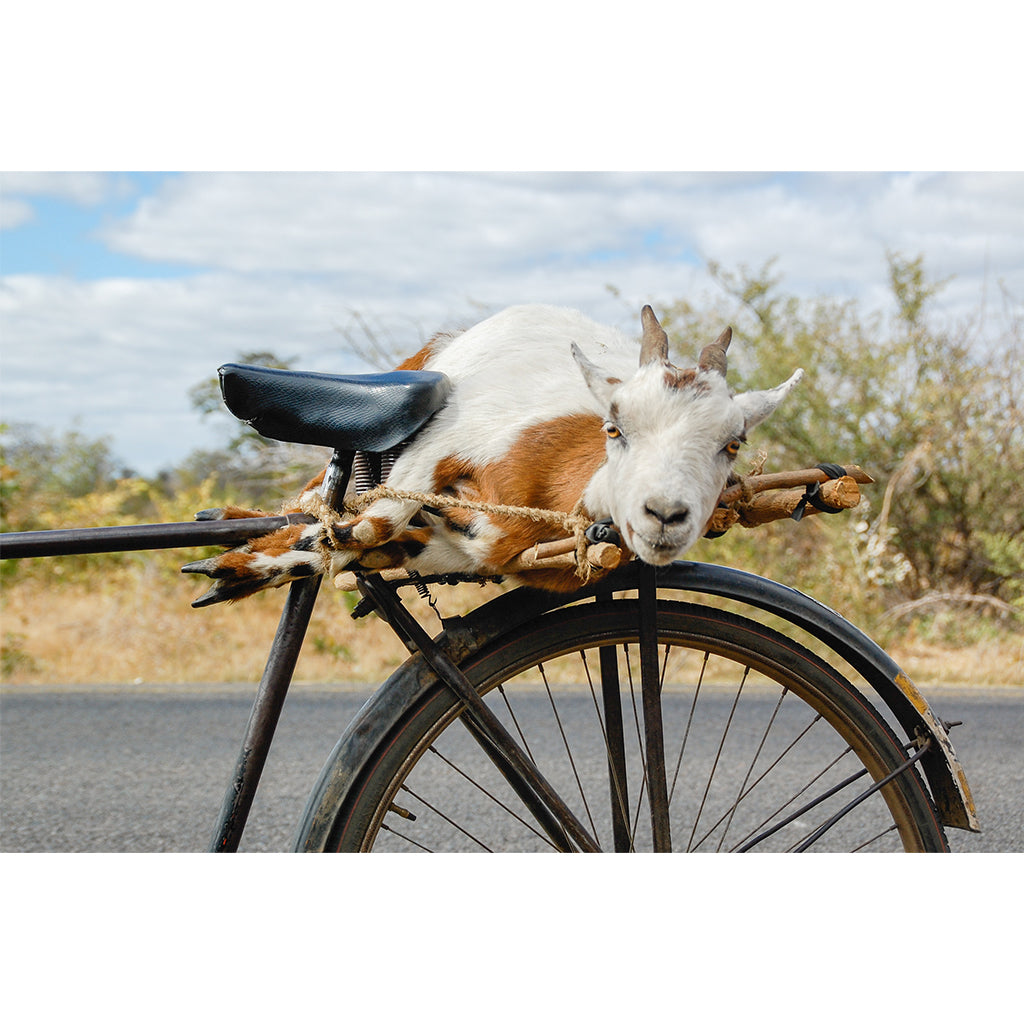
[946, 778]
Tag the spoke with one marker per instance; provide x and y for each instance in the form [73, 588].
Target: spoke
[568, 751]
[441, 814]
[718, 755]
[402, 835]
[535, 791]
[814, 721]
[689, 721]
[874, 839]
[515, 722]
[838, 787]
[757, 753]
[839, 815]
[534, 804]
[455, 768]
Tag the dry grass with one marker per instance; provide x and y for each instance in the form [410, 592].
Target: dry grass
[994, 662]
[134, 623]
[138, 626]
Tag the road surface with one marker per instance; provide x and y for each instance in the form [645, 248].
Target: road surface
[144, 768]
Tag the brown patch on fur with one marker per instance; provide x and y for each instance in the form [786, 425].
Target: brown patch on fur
[395, 553]
[313, 485]
[548, 467]
[381, 527]
[432, 347]
[279, 542]
[236, 564]
[387, 556]
[679, 379]
[235, 512]
[419, 360]
[461, 519]
[316, 481]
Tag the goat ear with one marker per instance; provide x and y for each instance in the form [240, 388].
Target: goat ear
[757, 406]
[599, 381]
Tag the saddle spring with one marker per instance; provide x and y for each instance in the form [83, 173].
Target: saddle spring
[371, 469]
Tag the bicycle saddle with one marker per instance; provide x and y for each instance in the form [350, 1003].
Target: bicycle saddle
[363, 412]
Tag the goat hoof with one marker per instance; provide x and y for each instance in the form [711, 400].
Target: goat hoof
[225, 590]
[209, 515]
[378, 559]
[364, 532]
[207, 566]
[210, 597]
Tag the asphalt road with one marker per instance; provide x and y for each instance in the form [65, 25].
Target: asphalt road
[144, 768]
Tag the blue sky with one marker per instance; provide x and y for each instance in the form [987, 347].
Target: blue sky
[121, 290]
[118, 292]
[61, 234]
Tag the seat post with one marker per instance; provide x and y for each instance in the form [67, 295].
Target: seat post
[277, 675]
[336, 478]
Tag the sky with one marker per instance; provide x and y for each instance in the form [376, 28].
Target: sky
[120, 291]
[415, 169]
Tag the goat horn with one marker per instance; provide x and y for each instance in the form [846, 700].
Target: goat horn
[654, 343]
[712, 357]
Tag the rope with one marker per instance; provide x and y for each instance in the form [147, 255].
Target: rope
[575, 523]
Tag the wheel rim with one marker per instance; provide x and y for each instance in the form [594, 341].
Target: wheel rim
[750, 738]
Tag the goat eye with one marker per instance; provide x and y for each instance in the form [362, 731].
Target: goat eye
[612, 431]
[732, 449]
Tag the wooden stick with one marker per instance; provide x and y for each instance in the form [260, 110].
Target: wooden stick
[766, 508]
[787, 490]
[795, 478]
[540, 556]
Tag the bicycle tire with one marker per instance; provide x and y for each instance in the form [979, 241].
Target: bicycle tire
[741, 665]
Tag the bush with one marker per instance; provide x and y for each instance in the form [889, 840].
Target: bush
[936, 417]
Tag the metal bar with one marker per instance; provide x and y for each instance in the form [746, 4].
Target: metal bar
[611, 700]
[523, 769]
[838, 788]
[650, 690]
[839, 815]
[277, 676]
[547, 821]
[266, 711]
[147, 537]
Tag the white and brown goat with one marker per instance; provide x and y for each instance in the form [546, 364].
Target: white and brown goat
[546, 407]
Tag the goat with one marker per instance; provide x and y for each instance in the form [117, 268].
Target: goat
[547, 407]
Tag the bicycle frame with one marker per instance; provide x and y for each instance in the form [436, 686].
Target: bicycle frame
[942, 768]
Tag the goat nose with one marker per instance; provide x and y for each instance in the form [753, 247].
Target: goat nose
[666, 514]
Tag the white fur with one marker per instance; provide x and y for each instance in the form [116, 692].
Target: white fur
[531, 364]
[510, 372]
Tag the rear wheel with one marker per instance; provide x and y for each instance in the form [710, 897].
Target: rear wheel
[764, 744]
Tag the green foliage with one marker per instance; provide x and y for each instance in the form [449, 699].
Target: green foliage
[936, 419]
[1006, 553]
[14, 657]
[205, 396]
[252, 470]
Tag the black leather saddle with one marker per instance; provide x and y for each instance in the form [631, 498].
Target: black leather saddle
[363, 412]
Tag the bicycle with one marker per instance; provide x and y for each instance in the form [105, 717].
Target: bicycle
[830, 750]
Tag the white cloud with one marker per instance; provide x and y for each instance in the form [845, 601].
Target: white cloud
[14, 213]
[84, 188]
[421, 235]
[282, 260]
